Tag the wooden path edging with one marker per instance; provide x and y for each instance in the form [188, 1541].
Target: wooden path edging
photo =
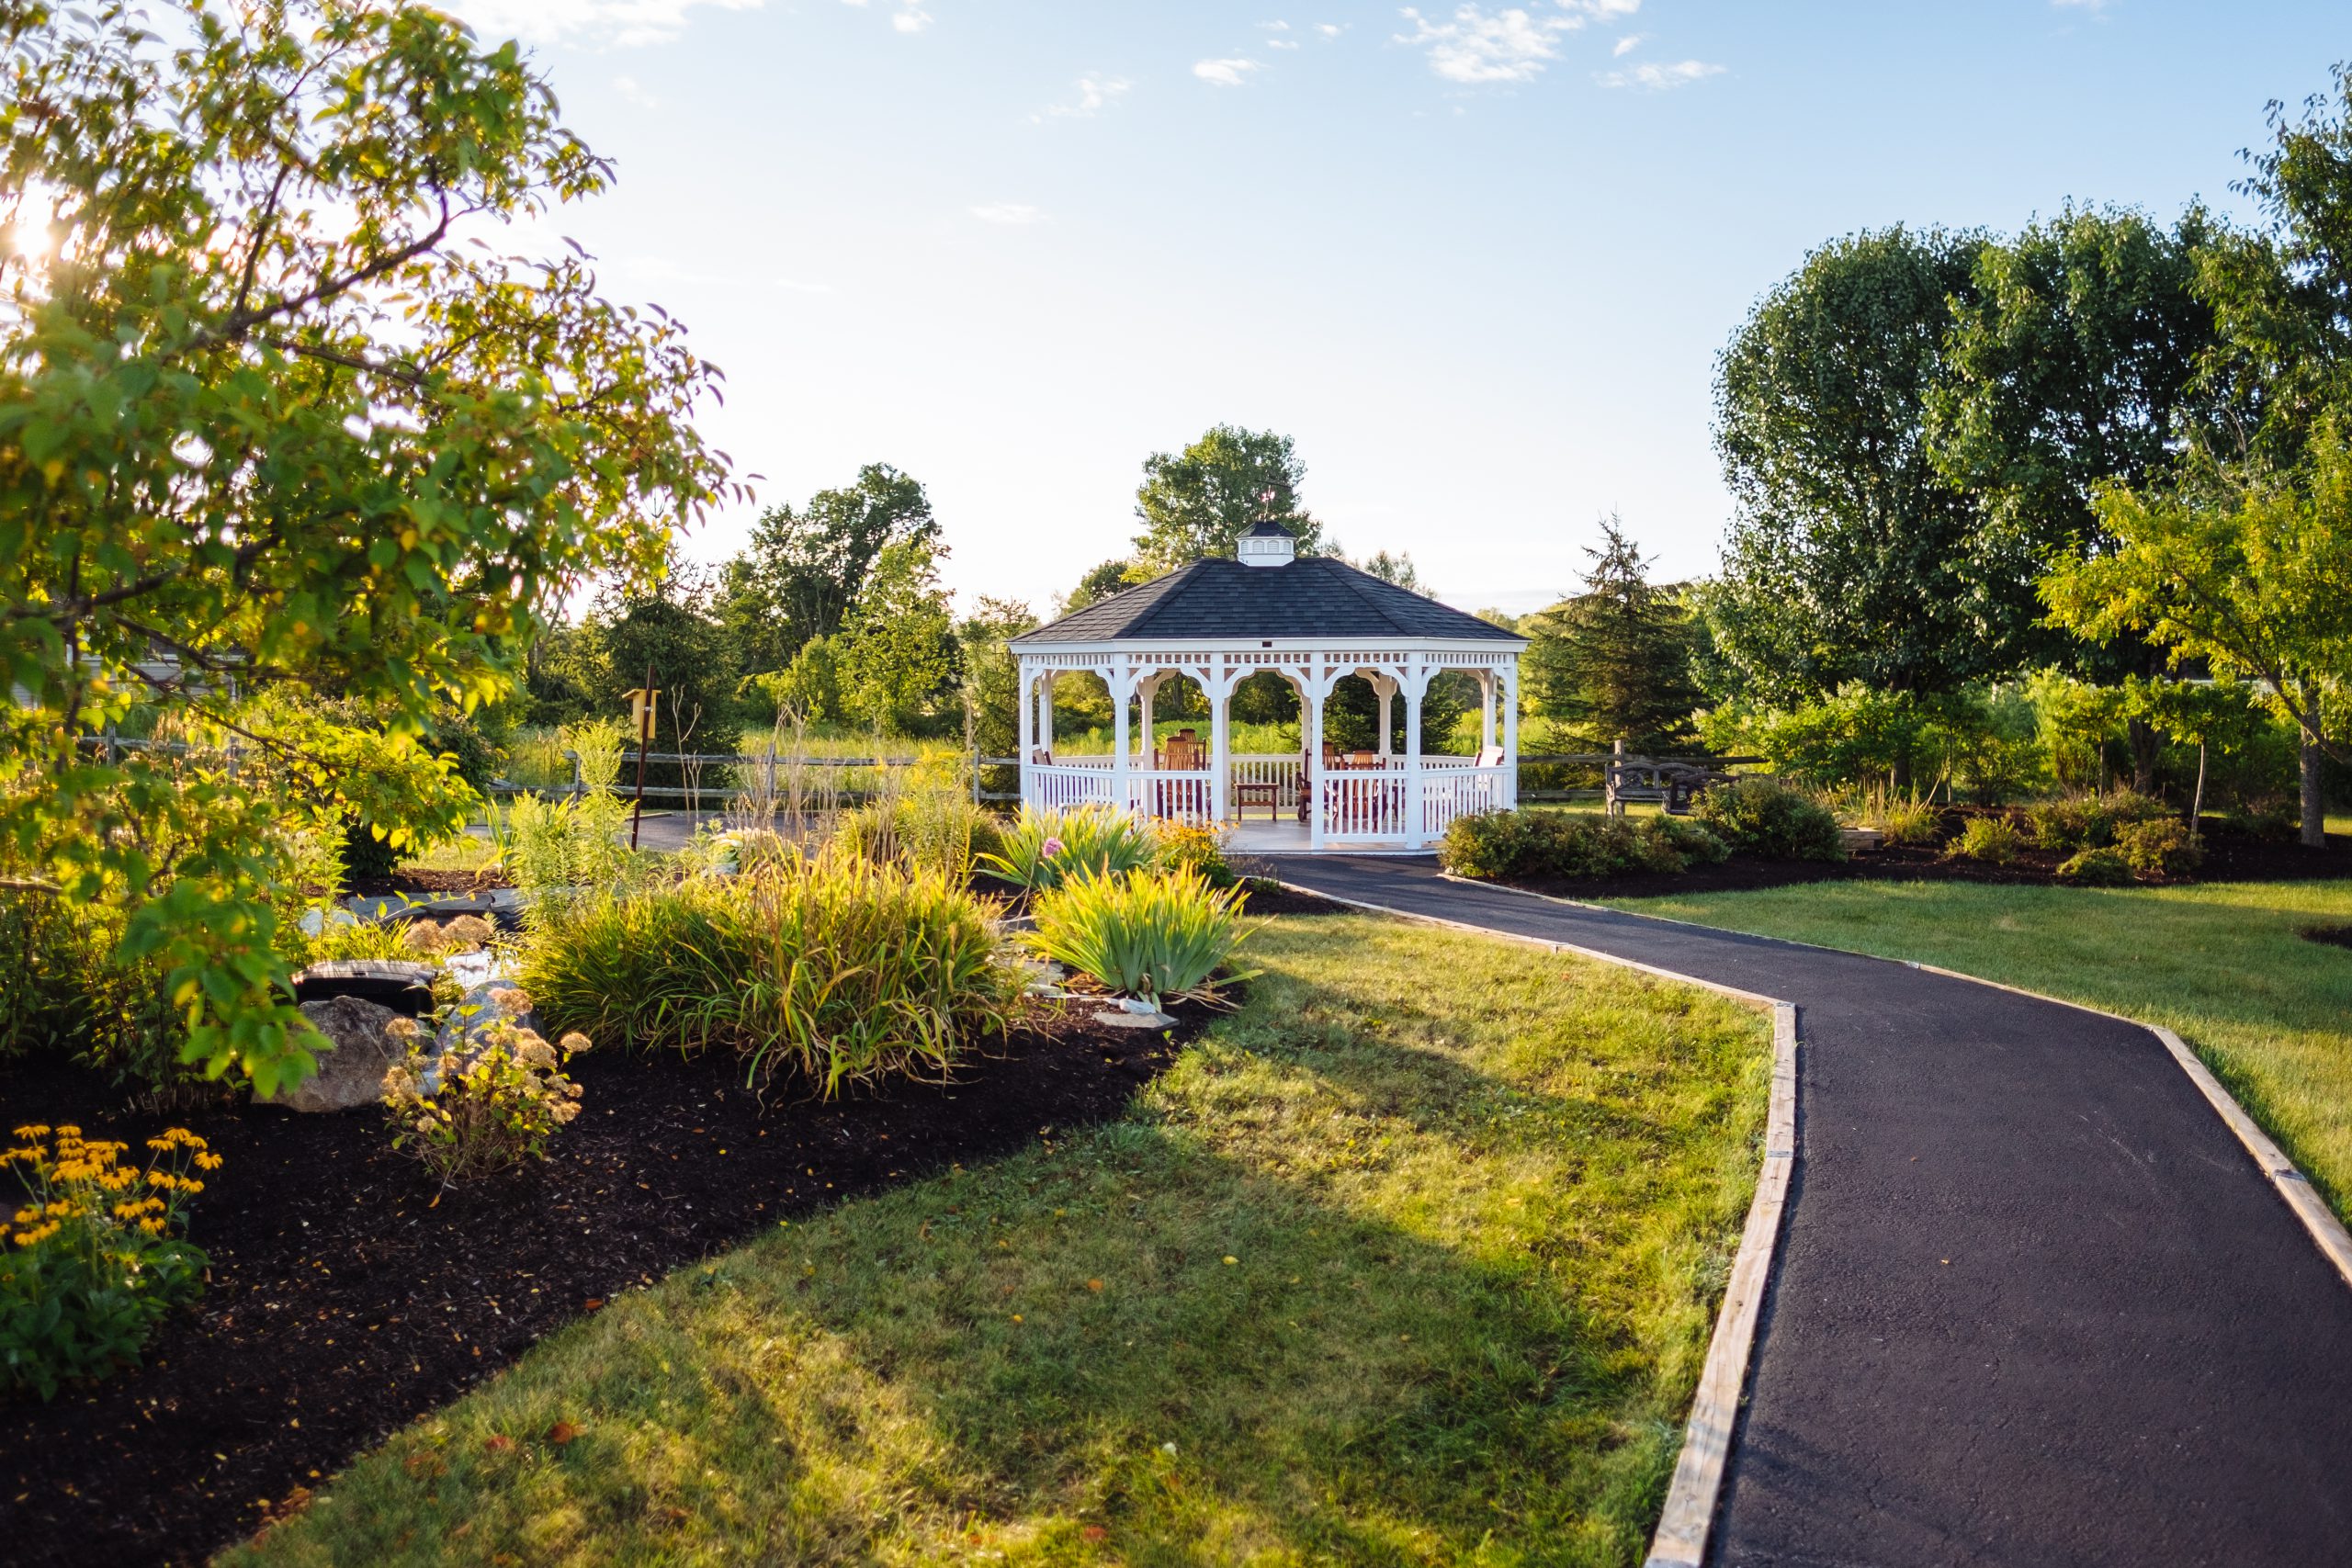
[1697, 1488]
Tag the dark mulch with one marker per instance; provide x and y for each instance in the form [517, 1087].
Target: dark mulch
[343, 1304]
[1269, 898]
[2230, 856]
[416, 884]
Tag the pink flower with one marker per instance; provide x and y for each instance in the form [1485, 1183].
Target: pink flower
[1051, 848]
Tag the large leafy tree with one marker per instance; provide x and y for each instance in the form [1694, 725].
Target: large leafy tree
[899, 656]
[1850, 555]
[1198, 502]
[1613, 663]
[2073, 364]
[805, 568]
[2245, 570]
[2282, 294]
[269, 419]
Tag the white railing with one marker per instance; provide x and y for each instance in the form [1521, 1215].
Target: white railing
[1060, 786]
[1462, 792]
[1171, 795]
[1359, 803]
[1285, 771]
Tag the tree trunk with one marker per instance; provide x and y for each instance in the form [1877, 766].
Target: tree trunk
[1901, 782]
[2314, 810]
[2146, 744]
[2196, 801]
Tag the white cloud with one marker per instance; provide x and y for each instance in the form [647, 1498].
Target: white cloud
[1658, 78]
[2092, 6]
[1276, 39]
[1477, 46]
[1330, 29]
[909, 17]
[1095, 91]
[1011, 213]
[1626, 45]
[627, 87]
[1509, 45]
[610, 24]
[1226, 72]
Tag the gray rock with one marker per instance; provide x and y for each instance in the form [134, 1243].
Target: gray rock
[352, 1073]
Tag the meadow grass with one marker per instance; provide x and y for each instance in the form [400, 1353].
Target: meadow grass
[2220, 964]
[1411, 1259]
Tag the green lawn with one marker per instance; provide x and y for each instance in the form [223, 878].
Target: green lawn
[1413, 1260]
[2220, 964]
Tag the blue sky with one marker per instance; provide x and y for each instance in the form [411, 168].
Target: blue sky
[1477, 260]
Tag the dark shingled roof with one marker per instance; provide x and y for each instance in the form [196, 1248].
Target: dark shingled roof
[1315, 596]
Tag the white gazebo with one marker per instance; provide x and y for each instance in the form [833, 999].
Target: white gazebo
[1314, 620]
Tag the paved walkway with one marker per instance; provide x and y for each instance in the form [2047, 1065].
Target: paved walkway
[2034, 1303]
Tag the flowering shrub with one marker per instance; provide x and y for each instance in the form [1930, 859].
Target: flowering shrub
[91, 1262]
[1199, 846]
[1042, 848]
[1150, 934]
[495, 1101]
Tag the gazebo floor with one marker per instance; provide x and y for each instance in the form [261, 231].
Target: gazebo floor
[1289, 837]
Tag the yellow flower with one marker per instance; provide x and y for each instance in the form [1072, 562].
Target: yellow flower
[38, 1130]
[209, 1162]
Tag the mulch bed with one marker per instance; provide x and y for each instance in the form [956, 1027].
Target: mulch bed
[418, 884]
[2229, 857]
[343, 1304]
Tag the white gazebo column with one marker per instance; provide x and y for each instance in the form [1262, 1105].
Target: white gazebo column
[1507, 679]
[1022, 745]
[1416, 680]
[1310, 724]
[1386, 686]
[1121, 681]
[1218, 686]
[1046, 709]
[1485, 711]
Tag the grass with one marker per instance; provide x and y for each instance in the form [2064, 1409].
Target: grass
[1412, 1260]
[2220, 964]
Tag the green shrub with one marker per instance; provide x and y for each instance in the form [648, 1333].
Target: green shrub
[1996, 840]
[2090, 821]
[2266, 825]
[846, 969]
[91, 1263]
[1150, 934]
[2162, 846]
[2097, 868]
[70, 992]
[1573, 844]
[1041, 847]
[1766, 818]
[1695, 842]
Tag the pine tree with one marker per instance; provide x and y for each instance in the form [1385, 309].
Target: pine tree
[1613, 663]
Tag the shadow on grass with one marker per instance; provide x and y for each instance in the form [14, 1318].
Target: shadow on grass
[1342, 1290]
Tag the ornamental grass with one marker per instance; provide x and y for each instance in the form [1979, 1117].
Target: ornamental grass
[833, 965]
[1043, 848]
[1151, 935]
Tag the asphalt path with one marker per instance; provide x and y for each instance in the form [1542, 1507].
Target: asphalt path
[2033, 1304]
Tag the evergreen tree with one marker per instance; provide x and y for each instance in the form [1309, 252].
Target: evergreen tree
[1614, 661]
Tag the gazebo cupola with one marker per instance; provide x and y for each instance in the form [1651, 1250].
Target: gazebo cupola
[1312, 620]
[1267, 543]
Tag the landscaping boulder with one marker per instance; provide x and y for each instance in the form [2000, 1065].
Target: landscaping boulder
[352, 1074]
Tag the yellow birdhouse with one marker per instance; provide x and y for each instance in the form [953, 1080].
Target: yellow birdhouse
[644, 709]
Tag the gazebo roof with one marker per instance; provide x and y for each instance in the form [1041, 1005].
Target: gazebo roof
[1318, 597]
